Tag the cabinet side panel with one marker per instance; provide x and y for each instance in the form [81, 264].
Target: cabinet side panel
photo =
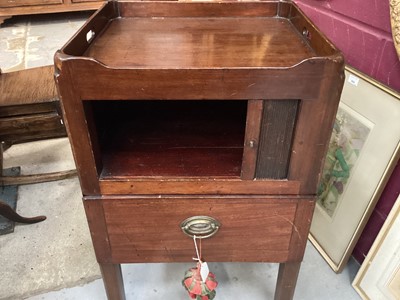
[98, 229]
[313, 130]
[93, 135]
[277, 127]
[301, 227]
[78, 132]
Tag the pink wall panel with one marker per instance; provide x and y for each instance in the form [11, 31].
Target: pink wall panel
[375, 13]
[365, 47]
[388, 69]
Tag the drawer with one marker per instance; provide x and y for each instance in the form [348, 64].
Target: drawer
[147, 229]
[10, 3]
[26, 109]
[78, 1]
[31, 127]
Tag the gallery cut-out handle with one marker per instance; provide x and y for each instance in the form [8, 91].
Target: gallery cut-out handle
[200, 226]
[90, 36]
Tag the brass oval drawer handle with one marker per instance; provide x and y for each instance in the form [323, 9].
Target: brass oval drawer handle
[200, 226]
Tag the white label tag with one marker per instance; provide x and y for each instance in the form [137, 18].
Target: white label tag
[204, 271]
[353, 80]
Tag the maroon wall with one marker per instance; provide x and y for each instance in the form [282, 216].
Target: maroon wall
[361, 30]
[378, 216]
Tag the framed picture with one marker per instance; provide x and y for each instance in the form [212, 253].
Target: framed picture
[379, 275]
[363, 150]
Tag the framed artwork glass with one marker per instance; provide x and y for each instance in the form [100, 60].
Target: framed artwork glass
[363, 150]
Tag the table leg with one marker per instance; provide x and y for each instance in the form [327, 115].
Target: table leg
[287, 278]
[113, 281]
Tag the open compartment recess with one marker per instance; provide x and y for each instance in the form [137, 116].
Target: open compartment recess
[182, 138]
[187, 138]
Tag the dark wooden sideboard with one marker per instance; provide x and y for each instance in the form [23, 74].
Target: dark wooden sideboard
[9, 8]
[199, 109]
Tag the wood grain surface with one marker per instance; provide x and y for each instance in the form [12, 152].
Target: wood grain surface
[29, 86]
[199, 42]
[147, 230]
[222, 109]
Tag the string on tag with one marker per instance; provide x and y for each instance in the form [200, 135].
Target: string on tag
[197, 250]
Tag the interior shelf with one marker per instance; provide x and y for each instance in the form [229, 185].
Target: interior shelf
[182, 138]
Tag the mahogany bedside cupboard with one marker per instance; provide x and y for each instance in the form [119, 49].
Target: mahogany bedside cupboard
[199, 118]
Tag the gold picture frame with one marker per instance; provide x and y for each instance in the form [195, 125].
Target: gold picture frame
[395, 23]
[365, 147]
[379, 275]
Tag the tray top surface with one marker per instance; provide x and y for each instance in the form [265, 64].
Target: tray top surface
[207, 42]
